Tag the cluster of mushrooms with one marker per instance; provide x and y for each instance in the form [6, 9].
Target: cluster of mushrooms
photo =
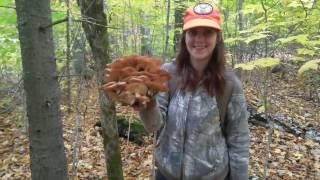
[133, 80]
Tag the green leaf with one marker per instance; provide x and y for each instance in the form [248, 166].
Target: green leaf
[256, 36]
[252, 9]
[301, 38]
[259, 28]
[295, 4]
[245, 66]
[305, 51]
[285, 2]
[266, 62]
[233, 40]
[314, 43]
[261, 109]
[259, 63]
[310, 65]
[307, 3]
[297, 59]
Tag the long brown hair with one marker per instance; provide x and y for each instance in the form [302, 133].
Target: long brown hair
[213, 80]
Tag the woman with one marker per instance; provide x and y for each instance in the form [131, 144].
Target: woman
[191, 143]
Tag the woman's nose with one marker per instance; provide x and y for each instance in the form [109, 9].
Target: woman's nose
[199, 37]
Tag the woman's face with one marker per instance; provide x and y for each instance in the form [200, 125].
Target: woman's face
[200, 43]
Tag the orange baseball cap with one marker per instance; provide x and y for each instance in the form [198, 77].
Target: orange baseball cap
[202, 15]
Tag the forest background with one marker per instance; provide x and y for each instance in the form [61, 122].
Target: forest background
[273, 44]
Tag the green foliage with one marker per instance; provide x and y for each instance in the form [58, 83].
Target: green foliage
[310, 65]
[256, 36]
[136, 125]
[252, 9]
[10, 60]
[297, 59]
[259, 63]
[306, 52]
[289, 25]
[301, 38]
[232, 41]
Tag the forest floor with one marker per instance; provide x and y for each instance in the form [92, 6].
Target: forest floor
[290, 157]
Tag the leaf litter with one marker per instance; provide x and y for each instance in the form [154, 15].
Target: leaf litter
[290, 157]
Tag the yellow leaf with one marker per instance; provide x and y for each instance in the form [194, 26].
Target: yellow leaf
[67, 146]
[276, 133]
[297, 155]
[309, 143]
[261, 109]
[277, 151]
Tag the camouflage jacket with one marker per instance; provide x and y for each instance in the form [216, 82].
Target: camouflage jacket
[191, 144]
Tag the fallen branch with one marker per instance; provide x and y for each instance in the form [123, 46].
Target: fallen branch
[278, 121]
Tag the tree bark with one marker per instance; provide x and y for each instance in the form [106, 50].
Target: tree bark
[48, 160]
[266, 43]
[146, 48]
[166, 54]
[68, 54]
[240, 21]
[97, 37]
[178, 23]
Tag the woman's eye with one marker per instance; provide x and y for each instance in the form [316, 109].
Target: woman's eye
[193, 32]
[205, 32]
[208, 32]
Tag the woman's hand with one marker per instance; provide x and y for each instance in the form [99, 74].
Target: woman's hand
[141, 107]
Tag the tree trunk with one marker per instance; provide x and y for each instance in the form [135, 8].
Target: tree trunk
[266, 43]
[48, 160]
[240, 21]
[166, 54]
[145, 37]
[68, 53]
[124, 30]
[226, 14]
[133, 30]
[97, 36]
[178, 23]
[78, 57]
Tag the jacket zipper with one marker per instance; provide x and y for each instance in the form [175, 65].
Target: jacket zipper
[184, 137]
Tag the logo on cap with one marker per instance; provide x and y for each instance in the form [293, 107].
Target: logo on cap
[203, 9]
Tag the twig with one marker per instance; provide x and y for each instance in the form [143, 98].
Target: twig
[153, 169]
[68, 56]
[270, 127]
[305, 9]
[76, 75]
[129, 128]
[54, 23]
[9, 7]
[78, 125]
[94, 23]
[77, 128]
